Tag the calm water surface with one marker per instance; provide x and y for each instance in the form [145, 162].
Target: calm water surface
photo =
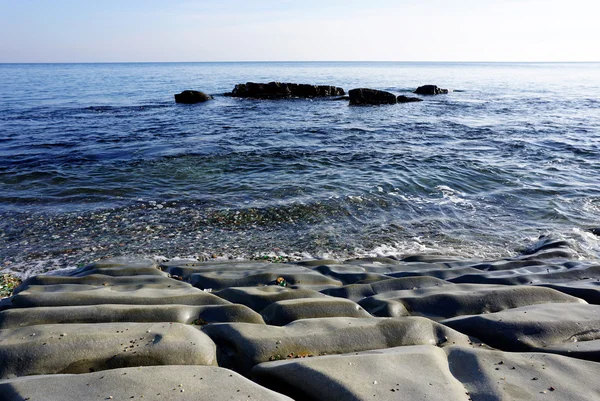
[97, 160]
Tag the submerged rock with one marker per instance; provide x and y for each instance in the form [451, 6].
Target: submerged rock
[407, 99]
[361, 96]
[430, 90]
[281, 90]
[191, 97]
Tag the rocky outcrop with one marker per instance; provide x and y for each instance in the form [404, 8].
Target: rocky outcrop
[164, 383]
[403, 373]
[366, 96]
[569, 329]
[460, 299]
[281, 313]
[251, 275]
[243, 345]
[258, 298]
[83, 348]
[185, 314]
[281, 90]
[425, 372]
[430, 90]
[130, 328]
[191, 97]
[65, 295]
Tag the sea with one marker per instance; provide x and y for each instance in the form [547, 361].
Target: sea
[97, 160]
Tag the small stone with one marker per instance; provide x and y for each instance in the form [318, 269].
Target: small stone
[182, 390]
[552, 388]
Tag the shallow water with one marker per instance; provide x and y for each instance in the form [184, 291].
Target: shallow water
[97, 159]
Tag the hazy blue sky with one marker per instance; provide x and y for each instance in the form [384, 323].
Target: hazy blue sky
[244, 30]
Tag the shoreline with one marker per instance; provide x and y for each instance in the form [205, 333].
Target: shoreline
[64, 256]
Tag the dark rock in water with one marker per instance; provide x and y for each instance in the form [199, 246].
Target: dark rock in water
[595, 231]
[281, 90]
[191, 97]
[547, 242]
[430, 90]
[362, 96]
[407, 99]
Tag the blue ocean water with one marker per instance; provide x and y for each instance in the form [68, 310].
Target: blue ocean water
[97, 160]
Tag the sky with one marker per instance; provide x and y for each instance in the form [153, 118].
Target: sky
[309, 30]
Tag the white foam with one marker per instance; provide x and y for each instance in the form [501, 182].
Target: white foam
[30, 268]
[583, 243]
[453, 196]
[587, 244]
[419, 245]
[592, 206]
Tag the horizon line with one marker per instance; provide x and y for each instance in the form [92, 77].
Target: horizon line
[301, 61]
